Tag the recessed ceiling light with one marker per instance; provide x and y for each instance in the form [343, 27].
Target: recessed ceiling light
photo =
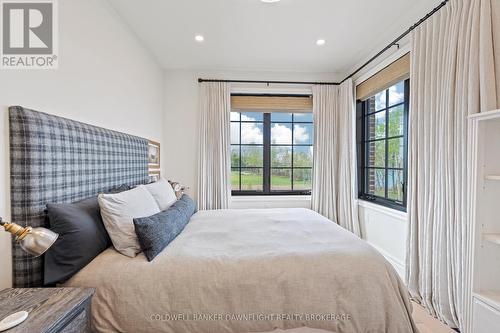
[320, 42]
[199, 38]
[270, 1]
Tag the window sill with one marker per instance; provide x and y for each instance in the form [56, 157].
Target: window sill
[266, 198]
[382, 209]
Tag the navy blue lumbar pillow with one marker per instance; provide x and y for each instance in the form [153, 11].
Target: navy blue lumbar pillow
[157, 231]
[82, 237]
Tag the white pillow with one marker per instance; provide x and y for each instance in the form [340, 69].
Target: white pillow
[163, 193]
[118, 212]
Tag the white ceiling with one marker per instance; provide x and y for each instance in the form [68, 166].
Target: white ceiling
[253, 36]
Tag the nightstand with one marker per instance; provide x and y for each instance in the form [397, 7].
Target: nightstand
[51, 310]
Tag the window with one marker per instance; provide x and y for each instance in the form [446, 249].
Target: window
[383, 146]
[271, 153]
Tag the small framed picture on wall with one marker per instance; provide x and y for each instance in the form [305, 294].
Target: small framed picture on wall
[154, 175]
[154, 154]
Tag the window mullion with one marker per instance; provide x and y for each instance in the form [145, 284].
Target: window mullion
[267, 154]
[387, 144]
[291, 157]
[365, 148]
[405, 135]
[239, 147]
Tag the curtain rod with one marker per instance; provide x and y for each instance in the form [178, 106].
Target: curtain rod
[393, 43]
[269, 82]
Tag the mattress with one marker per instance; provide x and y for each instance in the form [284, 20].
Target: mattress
[250, 271]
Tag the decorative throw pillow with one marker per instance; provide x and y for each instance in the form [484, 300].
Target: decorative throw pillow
[119, 210]
[157, 231]
[162, 192]
[82, 237]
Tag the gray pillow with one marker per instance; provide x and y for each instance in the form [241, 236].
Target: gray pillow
[82, 237]
[118, 212]
[157, 231]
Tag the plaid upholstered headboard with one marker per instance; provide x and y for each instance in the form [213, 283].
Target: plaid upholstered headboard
[57, 160]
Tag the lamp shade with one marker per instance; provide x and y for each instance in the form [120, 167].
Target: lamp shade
[35, 241]
[38, 240]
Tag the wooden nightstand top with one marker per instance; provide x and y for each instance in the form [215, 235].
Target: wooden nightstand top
[48, 308]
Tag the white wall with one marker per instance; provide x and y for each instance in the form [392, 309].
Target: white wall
[105, 77]
[181, 122]
[278, 201]
[385, 229]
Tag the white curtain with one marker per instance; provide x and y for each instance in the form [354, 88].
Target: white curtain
[214, 161]
[334, 168]
[452, 76]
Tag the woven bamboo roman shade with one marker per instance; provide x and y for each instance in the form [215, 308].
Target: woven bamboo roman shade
[272, 103]
[392, 74]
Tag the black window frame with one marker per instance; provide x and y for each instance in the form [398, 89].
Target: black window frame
[362, 150]
[266, 144]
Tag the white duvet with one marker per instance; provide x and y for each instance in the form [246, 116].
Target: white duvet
[250, 271]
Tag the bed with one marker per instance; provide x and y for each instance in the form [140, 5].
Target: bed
[228, 271]
[228, 267]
